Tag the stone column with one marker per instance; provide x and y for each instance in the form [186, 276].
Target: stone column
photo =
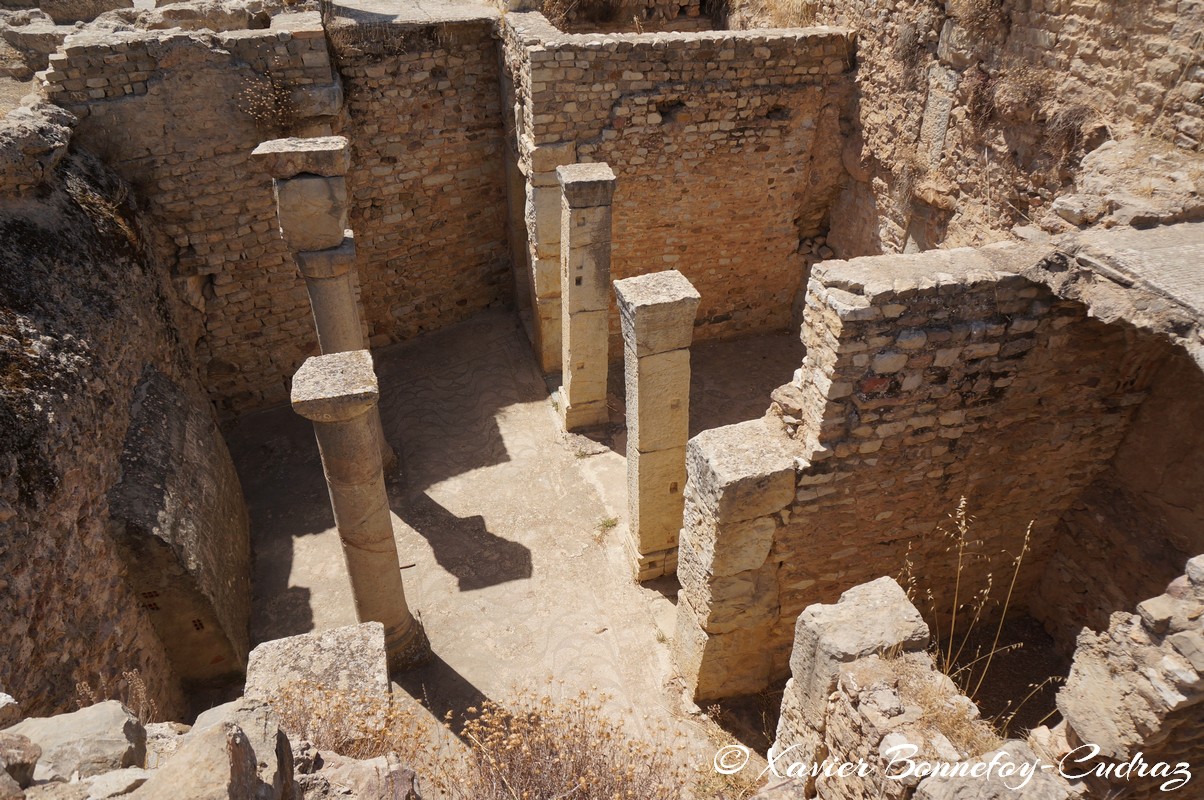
[586, 193]
[311, 206]
[338, 392]
[657, 313]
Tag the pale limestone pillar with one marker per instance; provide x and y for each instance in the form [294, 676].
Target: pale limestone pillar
[586, 193]
[657, 314]
[311, 207]
[338, 392]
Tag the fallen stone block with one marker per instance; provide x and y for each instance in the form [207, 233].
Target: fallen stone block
[98, 739]
[272, 751]
[217, 763]
[117, 783]
[350, 659]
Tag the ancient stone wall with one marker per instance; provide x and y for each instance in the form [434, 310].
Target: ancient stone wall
[928, 378]
[427, 190]
[971, 114]
[177, 114]
[724, 145]
[87, 317]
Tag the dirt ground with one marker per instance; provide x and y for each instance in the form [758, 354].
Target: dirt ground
[515, 532]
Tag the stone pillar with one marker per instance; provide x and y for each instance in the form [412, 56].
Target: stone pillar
[586, 192]
[338, 392]
[657, 313]
[311, 206]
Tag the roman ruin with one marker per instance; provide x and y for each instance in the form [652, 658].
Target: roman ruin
[784, 388]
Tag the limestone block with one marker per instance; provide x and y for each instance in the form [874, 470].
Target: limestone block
[657, 311]
[328, 156]
[655, 485]
[547, 279]
[97, 739]
[10, 789]
[548, 332]
[18, 757]
[585, 226]
[586, 185]
[584, 415]
[350, 659]
[584, 356]
[731, 547]
[312, 211]
[1195, 572]
[329, 263]
[585, 277]
[335, 387]
[273, 754]
[542, 212]
[658, 400]
[867, 619]
[320, 100]
[217, 763]
[547, 157]
[742, 471]
[163, 739]
[383, 777]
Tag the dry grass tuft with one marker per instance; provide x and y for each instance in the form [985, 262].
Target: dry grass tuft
[959, 722]
[543, 748]
[130, 690]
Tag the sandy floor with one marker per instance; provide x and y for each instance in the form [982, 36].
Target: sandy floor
[516, 535]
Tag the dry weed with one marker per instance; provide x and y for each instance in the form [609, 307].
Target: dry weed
[543, 748]
[130, 690]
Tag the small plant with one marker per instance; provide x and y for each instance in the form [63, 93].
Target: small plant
[130, 690]
[543, 748]
[605, 526]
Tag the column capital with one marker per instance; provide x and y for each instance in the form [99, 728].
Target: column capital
[328, 156]
[586, 185]
[330, 263]
[335, 387]
[657, 311]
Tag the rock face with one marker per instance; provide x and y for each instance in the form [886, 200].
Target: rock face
[65, 11]
[101, 738]
[10, 711]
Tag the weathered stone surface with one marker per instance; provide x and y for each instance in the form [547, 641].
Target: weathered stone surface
[335, 387]
[10, 789]
[329, 263]
[869, 618]
[116, 783]
[342, 777]
[312, 211]
[33, 140]
[742, 471]
[216, 763]
[64, 11]
[10, 711]
[18, 757]
[350, 659]
[658, 400]
[97, 739]
[657, 311]
[586, 185]
[328, 156]
[163, 739]
[1044, 784]
[273, 754]
[657, 483]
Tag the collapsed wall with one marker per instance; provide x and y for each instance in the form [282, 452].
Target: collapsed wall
[123, 534]
[927, 378]
[972, 114]
[864, 692]
[725, 146]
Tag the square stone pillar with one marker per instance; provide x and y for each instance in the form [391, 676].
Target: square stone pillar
[657, 313]
[586, 193]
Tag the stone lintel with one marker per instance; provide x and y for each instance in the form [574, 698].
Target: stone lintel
[335, 387]
[657, 311]
[586, 185]
[328, 156]
[329, 263]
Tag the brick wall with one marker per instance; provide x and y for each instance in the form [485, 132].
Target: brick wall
[427, 190]
[927, 378]
[725, 146]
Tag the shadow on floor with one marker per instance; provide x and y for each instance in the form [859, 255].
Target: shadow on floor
[443, 691]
